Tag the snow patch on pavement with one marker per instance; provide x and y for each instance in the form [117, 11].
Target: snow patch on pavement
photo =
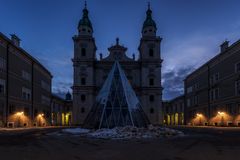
[76, 130]
[127, 132]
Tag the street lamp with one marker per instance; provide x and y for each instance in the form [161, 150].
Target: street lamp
[222, 117]
[19, 114]
[199, 115]
[40, 116]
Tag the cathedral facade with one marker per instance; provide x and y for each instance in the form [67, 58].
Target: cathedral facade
[90, 73]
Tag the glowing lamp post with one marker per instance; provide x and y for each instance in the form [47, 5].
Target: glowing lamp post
[40, 116]
[19, 115]
[222, 117]
[200, 118]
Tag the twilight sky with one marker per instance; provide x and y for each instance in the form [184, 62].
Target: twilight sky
[192, 31]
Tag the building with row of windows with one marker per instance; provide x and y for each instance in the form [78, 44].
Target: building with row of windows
[61, 110]
[174, 111]
[212, 92]
[25, 90]
[25, 86]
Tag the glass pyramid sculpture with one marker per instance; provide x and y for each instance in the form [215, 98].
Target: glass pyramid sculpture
[116, 104]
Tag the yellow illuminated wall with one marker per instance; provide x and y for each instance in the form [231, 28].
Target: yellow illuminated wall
[63, 119]
[168, 120]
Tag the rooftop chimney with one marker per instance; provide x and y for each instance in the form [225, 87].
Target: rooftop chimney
[101, 56]
[224, 46]
[15, 40]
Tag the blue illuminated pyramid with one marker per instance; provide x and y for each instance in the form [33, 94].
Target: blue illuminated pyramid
[116, 104]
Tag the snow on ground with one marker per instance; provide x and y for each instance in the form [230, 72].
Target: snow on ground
[127, 132]
[76, 130]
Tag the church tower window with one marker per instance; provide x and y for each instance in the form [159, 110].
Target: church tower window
[151, 110]
[83, 97]
[151, 98]
[82, 110]
[151, 52]
[83, 52]
[151, 81]
[83, 81]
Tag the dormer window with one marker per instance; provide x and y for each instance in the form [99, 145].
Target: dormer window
[151, 52]
[150, 30]
[84, 29]
[83, 52]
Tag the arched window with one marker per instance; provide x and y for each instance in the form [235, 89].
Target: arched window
[151, 52]
[83, 52]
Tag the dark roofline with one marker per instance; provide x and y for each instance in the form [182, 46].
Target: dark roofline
[27, 54]
[57, 97]
[212, 59]
[176, 98]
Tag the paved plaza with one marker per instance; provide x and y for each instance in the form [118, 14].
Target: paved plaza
[199, 143]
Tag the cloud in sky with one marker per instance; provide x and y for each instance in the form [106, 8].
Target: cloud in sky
[173, 81]
[186, 54]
